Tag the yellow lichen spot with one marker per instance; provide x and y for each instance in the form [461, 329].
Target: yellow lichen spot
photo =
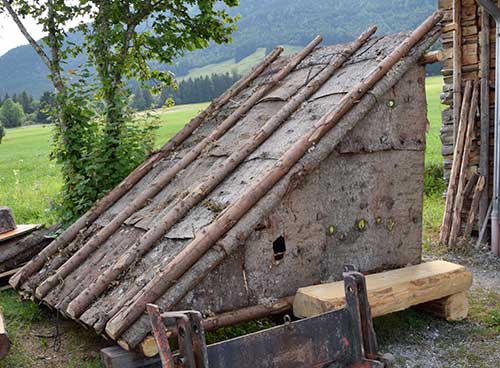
[362, 225]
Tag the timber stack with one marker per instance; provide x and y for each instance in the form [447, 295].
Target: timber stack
[19, 244]
[468, 41]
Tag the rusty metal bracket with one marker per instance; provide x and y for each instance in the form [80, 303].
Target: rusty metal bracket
[342, 338]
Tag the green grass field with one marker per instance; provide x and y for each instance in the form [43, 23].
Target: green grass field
[30, 181]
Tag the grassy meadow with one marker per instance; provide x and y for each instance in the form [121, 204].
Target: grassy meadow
[30, 181]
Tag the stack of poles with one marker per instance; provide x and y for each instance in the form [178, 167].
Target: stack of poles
[468, 185]
[458, 187]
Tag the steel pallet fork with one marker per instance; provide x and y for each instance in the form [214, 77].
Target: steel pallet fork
[342, 338]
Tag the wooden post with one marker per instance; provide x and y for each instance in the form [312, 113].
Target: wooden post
[462, 177]
[205, 238]
[484, 73]
[116, 357]
[457, 66]
[455, 169]
[478, 190]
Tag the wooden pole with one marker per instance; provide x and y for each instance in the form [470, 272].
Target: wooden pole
[474, 207]
[165, 178]
[484, 73]
[457, 65]
[462, 178]
[432, 57]
[103, 204]
[206, 237]
[455, 169]
[200, 190]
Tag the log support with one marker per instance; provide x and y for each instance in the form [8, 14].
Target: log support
[451, 308]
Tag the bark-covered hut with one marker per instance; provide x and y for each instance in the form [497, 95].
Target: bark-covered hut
[309, 162]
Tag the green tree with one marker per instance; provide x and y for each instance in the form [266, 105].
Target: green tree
[11, 114]
[121, 38]
[2, 132]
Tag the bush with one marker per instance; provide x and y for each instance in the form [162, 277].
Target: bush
[11, 114]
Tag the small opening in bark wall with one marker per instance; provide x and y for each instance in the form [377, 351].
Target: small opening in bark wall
[279, 248]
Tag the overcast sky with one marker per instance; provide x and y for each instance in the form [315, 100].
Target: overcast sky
[11, 37]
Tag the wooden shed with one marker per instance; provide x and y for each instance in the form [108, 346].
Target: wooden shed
[309, 162]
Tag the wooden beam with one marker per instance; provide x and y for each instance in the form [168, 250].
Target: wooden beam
[432, 57]
[389, 291]
[116, 357]
[452, 308]
[457, 65]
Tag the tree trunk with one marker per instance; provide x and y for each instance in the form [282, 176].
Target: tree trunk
[16, 252]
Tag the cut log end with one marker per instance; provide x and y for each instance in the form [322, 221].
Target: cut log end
[452, 308]
[7, 222]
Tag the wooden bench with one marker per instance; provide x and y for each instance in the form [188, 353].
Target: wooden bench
[439, 286]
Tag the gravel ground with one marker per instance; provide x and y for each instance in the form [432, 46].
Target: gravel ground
[420, 340]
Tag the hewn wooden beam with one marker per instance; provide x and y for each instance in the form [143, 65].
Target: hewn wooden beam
[389, 291]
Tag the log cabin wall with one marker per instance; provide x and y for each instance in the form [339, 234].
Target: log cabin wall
[466, 58]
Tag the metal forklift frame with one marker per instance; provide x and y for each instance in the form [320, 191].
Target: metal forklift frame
[341, 338]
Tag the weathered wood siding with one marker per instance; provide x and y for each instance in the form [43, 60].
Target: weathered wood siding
[470, 25]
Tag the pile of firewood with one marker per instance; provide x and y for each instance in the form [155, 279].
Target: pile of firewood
[463, 185]
[18, 244]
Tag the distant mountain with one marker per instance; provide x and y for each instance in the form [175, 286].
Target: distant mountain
[263, 24]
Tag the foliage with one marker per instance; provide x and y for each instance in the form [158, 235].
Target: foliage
[2, 132]
[97, 143]
[11, 114]
[199, 89]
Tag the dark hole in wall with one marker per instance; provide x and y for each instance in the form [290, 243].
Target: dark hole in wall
[279, 248]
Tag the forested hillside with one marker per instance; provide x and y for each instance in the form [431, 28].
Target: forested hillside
[262, 24]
